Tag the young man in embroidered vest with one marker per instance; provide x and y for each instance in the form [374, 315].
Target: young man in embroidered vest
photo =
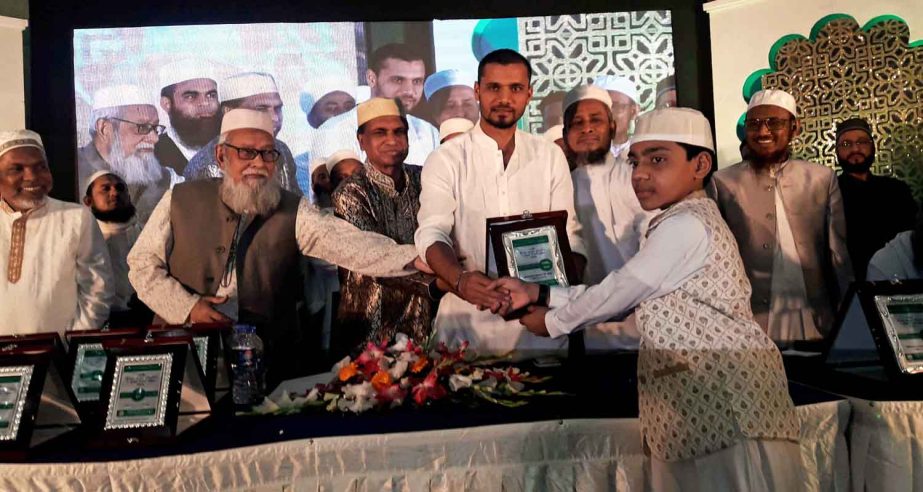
[787, 216]
[54, 267]
[711, 384]
[237, 257]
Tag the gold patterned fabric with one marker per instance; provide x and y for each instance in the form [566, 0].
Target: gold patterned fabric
[708, 376]
[375, 309]
[873, 72]
[17, 242]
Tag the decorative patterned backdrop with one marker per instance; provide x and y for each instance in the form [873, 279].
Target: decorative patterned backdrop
[844, 71]
[570, 50]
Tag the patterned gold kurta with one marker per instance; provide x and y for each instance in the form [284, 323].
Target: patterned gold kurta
[375, 309]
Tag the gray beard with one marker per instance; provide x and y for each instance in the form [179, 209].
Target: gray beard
[25, 203]
[134, 169]
[595, 157]
[244, 198]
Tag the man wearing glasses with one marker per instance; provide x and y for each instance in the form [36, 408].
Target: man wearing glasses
[787, 216]
[124, 127]
[237, 256]
[877, 207]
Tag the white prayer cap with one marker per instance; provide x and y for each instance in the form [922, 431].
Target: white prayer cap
[98, 174]
[618, 83]
[340, 155]
[316, 163]
[774, 97]
[186, 69]
[583, 92]
[246, 84]
[554, 133]
[15, 139]
[119, 95]
[377, 107]
[454, 125]
[445, 78]
[318, 88]
[239, 119]
[682, 125]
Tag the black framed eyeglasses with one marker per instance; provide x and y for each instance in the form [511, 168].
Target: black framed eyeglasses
[774, 124]
[247, 154]
[144, 128]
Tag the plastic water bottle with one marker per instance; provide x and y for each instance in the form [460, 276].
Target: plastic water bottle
[246, 366]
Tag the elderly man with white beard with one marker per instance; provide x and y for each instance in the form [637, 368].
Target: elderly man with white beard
[237, 257]
[124, 127]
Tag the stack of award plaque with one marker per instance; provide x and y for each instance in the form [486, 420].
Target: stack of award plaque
[208, 339]
[35, 404]
[87, 366]
[879, 336]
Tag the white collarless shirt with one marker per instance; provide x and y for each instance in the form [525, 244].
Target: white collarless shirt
[464, 183]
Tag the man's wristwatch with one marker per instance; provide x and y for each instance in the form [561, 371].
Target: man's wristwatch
[544, 295]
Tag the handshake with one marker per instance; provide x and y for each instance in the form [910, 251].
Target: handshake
[501, 296]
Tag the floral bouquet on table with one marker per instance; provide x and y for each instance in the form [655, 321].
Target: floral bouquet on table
[384, 376]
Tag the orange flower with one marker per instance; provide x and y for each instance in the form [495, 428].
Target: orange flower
[348, 371]
[419, 365]
[381, 380]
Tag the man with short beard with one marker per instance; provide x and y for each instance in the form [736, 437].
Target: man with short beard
[189, 96]
[54, 267]
[237, 257]
[876, 207]
[395, 70]
[255, 91]
[107, 197]
[124, 128]
[787, 216]
[612, 219]
[493, 170]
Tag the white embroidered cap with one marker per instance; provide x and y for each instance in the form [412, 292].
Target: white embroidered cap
[377, 107]
[15, 139]
[246, 84]
[340, 155]
[683, 125]
[452, 126]
[774, 97]
[120, 95]
[584, 92]
[446, 78]
[239, 119]
[554, 133]
[185, 69]
[618, 83]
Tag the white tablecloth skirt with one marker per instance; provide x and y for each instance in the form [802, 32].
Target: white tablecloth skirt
[584, 455]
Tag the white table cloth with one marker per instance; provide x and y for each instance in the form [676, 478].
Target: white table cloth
[580, 454]
[886, 445]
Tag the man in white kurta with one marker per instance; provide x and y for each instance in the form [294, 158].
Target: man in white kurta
[613, 221]
[472, 178]
[54, 267]
[625, 107]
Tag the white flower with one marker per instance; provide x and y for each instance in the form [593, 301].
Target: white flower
[457, 382]
[333, 401]
[516, 386]
[408, 357]
[405, 383]
[357, 398]
[400, 342]
[339, 365]
[489, 383]
[398, 370]
[266, 406]
[361, 390]
[477, 374]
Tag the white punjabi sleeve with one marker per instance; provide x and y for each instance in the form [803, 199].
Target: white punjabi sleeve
[324, 236]
[438, 202]
[148, 270]
[95, 285]
[562, 198]
[676, 249]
